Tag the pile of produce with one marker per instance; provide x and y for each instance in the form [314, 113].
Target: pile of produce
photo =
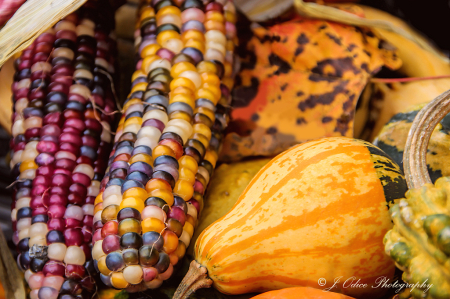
[255, 156]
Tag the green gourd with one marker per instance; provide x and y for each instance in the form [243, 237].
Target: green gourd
[392, 140]
[419, 242]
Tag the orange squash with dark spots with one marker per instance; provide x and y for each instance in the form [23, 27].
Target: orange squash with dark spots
[318, 210]
[300, 292]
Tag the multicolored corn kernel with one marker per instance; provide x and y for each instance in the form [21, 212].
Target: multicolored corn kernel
[167, 141]
[60, 138]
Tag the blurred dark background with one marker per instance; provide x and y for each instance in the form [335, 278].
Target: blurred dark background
[430, 17]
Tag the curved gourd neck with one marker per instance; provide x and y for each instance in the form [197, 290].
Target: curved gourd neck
[414, 157]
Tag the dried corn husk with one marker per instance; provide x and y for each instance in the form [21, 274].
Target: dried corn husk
[33, 18]
[10, 276]
[6, 80]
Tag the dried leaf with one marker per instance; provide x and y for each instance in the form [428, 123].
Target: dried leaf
[32, 19]
[300, 80]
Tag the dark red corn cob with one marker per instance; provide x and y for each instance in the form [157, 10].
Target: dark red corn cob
[62, 89]
[8, 9]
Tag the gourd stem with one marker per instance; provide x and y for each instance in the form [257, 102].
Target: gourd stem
[414, 157]
[196, 278]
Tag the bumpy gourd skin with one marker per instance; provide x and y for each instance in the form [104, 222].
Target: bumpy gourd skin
[420, 240]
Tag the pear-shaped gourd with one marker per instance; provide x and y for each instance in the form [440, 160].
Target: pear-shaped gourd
[419, 242]
[318, 210]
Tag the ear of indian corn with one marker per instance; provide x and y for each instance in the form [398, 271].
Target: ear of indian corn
[8, 8]
[60, 143]
[167, 142]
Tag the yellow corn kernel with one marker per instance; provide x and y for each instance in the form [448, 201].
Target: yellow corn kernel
[206, 67]
[132, 202]
[135, 192]
[184, 82]
[193, 43]
[141, 158]
[180, 67]
[190, 100]
[147, 61]
[168, 10]
[139, 87]
[188, 162]
[207, 94]
[192, 34]
[137, 74]
[189, 229]
[184, 189]
[181, 90]
[150, 50]
[165, 195]
[129, 103]
[180, 115]
[152, 225]
[206, 112]
[146, 12]
[214, 16]
[166, 35]
[212, 157]
[202, 129]
[210, 78]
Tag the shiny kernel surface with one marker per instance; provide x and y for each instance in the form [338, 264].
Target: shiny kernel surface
[188, 162]
[181, 67]
[157, 184]
[162, 150]
[132, 202]
[152, 225]
[166, 195]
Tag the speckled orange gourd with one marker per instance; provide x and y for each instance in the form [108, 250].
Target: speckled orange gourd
[318, 210]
